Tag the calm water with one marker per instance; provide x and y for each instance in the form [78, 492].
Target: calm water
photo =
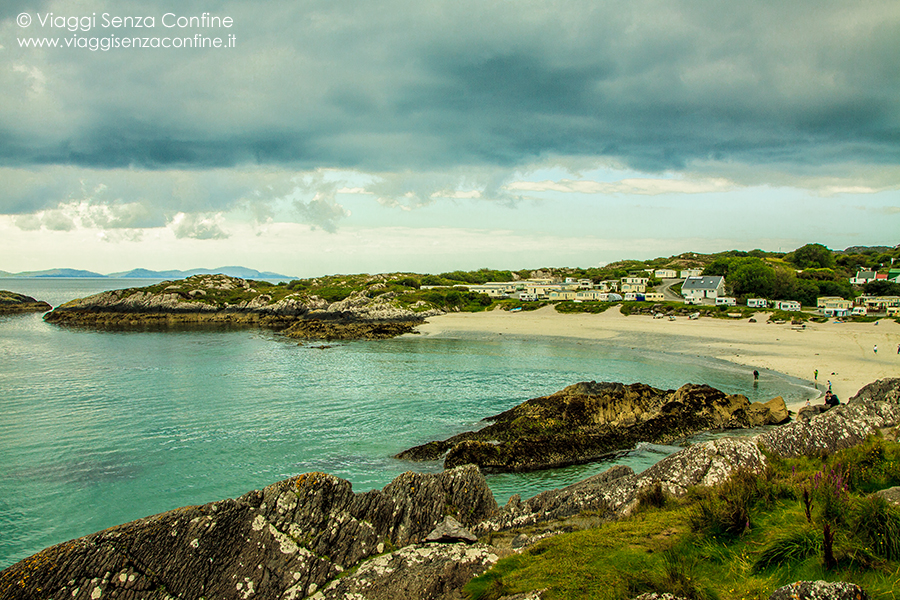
[100, 428]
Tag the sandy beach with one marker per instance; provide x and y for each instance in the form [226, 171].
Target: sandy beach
[841, 352]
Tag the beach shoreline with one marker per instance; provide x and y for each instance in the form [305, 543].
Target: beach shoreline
[842, 353]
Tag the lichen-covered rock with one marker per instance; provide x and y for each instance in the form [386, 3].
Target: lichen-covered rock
[875, 406]
[436, 571]
[820, 590]
[589, 420]
[284, 541]
[891, 495]
[331, 329]
[12, 303]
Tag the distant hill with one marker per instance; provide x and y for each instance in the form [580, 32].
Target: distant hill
[56, 273]
[242, 272]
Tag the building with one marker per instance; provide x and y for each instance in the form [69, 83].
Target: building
[787, 305]
[638, 288]
[757, 303]
[635, 280]
[654, 297]
[698, 289]
[726, 301]
[877, 304]
[665, 274]
[863, 277]
[685, 273]
[559, 295]
[834, 306]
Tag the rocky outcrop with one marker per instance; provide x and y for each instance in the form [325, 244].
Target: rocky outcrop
[820, 590]
[615, 493]
[219, 300]
[285, 541]
[12, 303]
[589, 420]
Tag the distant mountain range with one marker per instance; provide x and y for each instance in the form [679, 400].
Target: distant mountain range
[242, 272]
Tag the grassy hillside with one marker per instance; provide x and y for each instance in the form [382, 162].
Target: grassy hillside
[800, 519]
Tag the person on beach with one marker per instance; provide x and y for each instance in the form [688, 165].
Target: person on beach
[755, 375]
[829, 385]
[816, 374]
[875, 348]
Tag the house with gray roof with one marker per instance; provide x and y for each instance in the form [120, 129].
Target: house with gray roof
[697, 289]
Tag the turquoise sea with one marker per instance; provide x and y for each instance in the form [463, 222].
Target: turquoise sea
[100, 428]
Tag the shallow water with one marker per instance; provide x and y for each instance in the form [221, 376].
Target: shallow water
[100, 428]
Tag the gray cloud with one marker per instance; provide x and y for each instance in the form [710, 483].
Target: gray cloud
[409, 90]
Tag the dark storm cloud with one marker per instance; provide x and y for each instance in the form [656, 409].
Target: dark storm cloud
[394, 86]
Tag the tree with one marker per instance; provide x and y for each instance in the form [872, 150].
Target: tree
[811, 255]
[751, 277]
[882, 287]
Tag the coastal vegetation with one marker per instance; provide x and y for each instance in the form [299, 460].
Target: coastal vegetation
[811, 518]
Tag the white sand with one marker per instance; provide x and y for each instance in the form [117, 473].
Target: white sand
[842, 352]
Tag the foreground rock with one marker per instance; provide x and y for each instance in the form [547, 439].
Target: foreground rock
[295, 538]
[587, 421]
[413, 573]
[820, 590]
[285, 541]
[13, 303]
[219, 300]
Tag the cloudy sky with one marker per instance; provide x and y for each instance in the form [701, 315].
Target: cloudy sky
[349, 136]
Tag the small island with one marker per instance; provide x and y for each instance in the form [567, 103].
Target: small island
[13, 303]
[361, 310]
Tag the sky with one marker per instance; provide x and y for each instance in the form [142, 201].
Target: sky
[338, 136]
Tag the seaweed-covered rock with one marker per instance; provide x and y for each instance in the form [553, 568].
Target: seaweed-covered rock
[590, 420]
[12, 303]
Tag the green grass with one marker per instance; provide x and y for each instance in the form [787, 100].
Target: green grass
[740, 540]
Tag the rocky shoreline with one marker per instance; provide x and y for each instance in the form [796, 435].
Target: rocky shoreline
[218, 301]
[300, 537]
[589, 420]
[13, 303]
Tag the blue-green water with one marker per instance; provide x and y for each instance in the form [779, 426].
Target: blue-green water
[100, 428]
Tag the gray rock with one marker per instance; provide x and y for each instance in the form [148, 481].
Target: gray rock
[415, 572]
[820, 590]
[892, 495]
[284, 541]
[450, 531]
[808, 412]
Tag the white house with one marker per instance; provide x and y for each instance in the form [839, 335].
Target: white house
[654, 297]
[788, 305]
[665, 274]
[757, 303]
[696, 289]
[726, 301]
[635, 280]
[863, 277]
[685, 273]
